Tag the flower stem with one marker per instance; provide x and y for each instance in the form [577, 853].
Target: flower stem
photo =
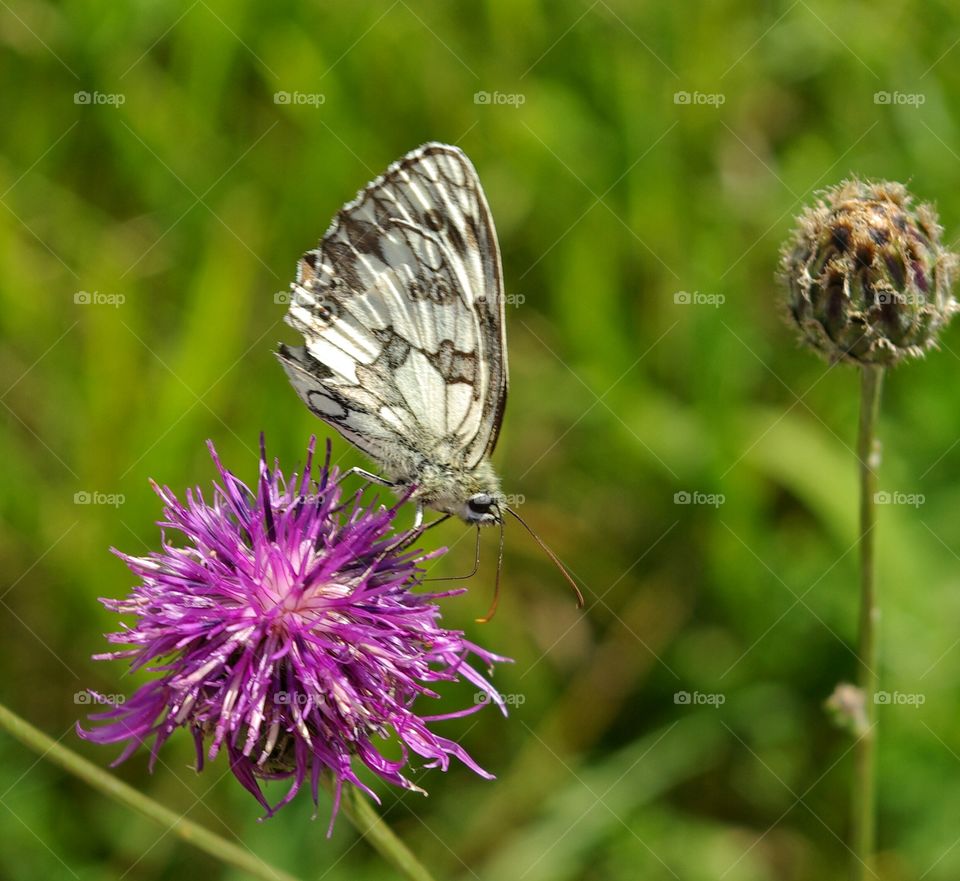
[200, 837]
[864, 778]
[379, 835]
[370, 825]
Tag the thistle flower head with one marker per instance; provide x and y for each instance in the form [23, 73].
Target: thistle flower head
[867, 279]
[284, 629]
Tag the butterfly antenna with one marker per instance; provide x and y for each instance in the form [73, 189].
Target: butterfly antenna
[550, 554]
[496, 584]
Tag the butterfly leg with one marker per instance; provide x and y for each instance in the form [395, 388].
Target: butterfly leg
[382, 481]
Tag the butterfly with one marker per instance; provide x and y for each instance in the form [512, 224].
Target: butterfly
[401, 308]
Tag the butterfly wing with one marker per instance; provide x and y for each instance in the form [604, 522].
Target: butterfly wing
[401, 310]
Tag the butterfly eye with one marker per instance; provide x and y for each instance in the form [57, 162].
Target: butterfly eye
[480, 503]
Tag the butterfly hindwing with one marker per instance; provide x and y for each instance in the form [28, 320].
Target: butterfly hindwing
[401, 310]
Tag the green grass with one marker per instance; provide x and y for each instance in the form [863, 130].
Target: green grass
[193, 199]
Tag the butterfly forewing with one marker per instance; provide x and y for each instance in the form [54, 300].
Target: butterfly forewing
[401, 310]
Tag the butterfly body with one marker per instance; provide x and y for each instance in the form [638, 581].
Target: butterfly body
[471, 494]
[401, 311]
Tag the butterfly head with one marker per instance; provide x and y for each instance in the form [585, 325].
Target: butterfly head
[483, 509]
[472, 494]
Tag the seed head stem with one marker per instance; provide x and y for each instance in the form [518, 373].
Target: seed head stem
[863, 820]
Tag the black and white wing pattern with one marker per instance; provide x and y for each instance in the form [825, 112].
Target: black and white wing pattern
[401, 310]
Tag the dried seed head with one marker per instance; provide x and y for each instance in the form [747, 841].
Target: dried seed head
[867, 279]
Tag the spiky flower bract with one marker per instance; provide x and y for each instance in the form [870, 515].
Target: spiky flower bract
[866, 277]
[285, 629]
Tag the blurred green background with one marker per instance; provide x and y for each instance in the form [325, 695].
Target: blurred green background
[182, 195]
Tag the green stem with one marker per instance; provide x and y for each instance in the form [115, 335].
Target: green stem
[357, 808]
[379, 835]
[864, 817]
[191, 832]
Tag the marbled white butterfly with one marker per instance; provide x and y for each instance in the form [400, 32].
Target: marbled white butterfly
[401, 308]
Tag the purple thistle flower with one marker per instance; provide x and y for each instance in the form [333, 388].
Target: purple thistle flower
[286, 630]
